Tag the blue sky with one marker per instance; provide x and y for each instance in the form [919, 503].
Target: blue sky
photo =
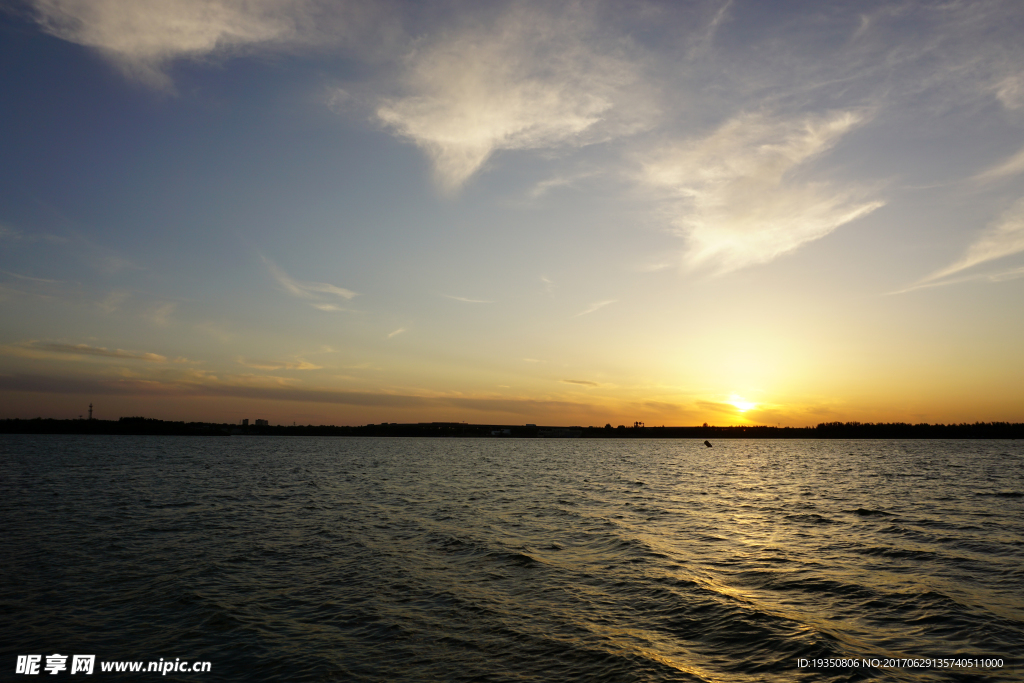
[576, 213]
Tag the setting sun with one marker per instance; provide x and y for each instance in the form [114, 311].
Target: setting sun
[741, 404]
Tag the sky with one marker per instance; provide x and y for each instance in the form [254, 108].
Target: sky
[679, 212]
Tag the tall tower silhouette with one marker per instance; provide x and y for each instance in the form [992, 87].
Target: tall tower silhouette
[90, 411]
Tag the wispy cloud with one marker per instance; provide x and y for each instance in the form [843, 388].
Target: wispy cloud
[28, 278]
[542, 187]
[526, 79]
[1011, 167]
[278, 365]
[581, 382]
[466, 300]
[595, 306]
[998, 276]
[397, 332]
[313, 291]
[277, 389]
[217, 330]
[161, 315]
[654, 267]
[1003, 238]
[113, 301]
[43, 349]
[738, 201]
[1010, 91]
[549, 286]
[142, 37]
[716, 407]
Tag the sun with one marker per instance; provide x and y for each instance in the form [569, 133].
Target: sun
[741, 404]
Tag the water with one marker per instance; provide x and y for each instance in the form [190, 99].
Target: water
[337, 559]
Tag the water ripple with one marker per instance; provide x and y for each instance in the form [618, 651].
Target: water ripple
[503, 560]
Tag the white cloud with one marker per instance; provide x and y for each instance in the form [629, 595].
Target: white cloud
[595, 306]
[1011, 167]
[278, 365]
[543, 187]
[528, 80]
[580, 382]
[397, 332]
[738, 198]
[310, 290]
[28, 278]
[1005, 237]
[113, 301]
[1010, 91]
[142, 36]
[465, 300]
[161, 315]
[41, 349]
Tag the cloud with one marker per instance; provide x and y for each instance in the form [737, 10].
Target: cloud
[543, 187]
[278, 365]
[465, 300]
[310, 290]
[716, 407]
[400, 330]
[28, 278]
[143, 36]
[113, 301]
[1012, 274]
[258, 387]
[595, 306]
[531, 78]
[40, 349]
[1010, 91]
[1003, 238]
[582, 382]
[161, 315]
[217, 331]
[738, 199]
[661, 406]
[1000, 276]
[1011, 167]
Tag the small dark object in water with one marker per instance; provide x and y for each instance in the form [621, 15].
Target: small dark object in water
[708, 444]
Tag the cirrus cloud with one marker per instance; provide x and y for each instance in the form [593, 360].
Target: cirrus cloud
[278, 365]
[310, 290]
[43, 349]
[1004, 237]
[530, 79]
[737, 194]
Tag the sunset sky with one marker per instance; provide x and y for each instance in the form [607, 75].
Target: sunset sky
[675, 212]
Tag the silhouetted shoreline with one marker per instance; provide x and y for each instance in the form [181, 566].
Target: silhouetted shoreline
[827, 430]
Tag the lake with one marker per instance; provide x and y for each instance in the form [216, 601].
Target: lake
[376, 559]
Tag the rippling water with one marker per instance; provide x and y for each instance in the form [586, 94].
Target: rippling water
[334, 559]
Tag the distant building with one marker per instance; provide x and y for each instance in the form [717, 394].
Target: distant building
[262, 423]
[245, 422]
